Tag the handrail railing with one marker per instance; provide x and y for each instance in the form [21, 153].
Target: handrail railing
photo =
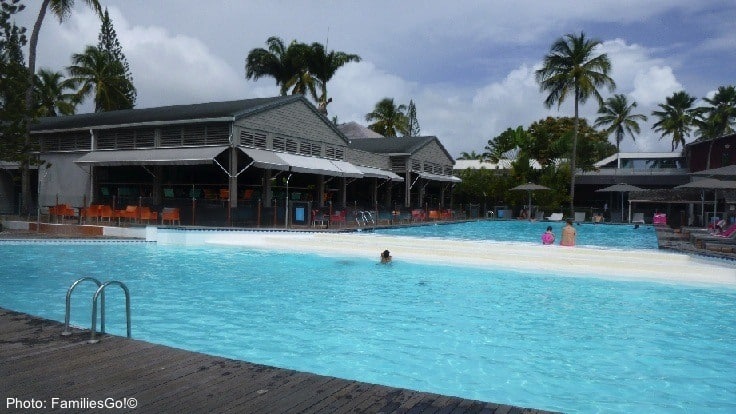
[101, 291]
[67, 315]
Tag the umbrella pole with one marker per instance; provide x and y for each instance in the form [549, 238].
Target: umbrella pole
[529, 213]
[622, 207]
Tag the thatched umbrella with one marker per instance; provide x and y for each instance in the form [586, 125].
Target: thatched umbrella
[728, 171]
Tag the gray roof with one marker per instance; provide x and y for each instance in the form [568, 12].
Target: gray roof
[354, 130]
[396, 145]
[164, 114]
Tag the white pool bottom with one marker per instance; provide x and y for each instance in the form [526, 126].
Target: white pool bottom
[573, 261]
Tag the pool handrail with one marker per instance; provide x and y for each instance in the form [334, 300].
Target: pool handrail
[101, 291]
[67, 315]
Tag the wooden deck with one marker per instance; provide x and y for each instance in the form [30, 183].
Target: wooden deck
[37, 363]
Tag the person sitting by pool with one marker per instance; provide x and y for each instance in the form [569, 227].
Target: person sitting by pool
[386, 257]
[568, 234]
[522, 214]
[597, 218]
[548, 237]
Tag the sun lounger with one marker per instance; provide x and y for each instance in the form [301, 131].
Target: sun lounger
[638, 218]
[555, 217]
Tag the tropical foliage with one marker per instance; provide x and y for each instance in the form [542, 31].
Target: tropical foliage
[676, 118]
[388, 119]
[53, 94]
[108, 42]
[573, 68]
[298, 67]
[618, 119]
[471, 156]
[13, 84]
[98, 74]
[414, 129]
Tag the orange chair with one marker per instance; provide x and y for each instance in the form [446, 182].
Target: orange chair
[417, 215]
[61, 211]
[339, 217]
[131, 213]
[170, 214]
[91, 212]
[434, 215]
[224, 194]
[148, 215]
[106, 212]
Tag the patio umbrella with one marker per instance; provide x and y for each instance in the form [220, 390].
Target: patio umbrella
[710, 184]
[529, 187]
[621, 188]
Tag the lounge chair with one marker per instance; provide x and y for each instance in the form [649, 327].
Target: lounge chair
[555, 217]
[579, 216]
[638, 218]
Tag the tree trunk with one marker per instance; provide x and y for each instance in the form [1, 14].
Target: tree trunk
[710, 150]
[25, 181]
[573, 155]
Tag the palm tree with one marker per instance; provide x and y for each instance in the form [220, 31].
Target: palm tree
[717, 119]
[61, 9]
[676, 118]
[287, 65]
[618, 119]
[390, 120]
[572, 67]
[323, 65]
[98, 73]
[471, 156]
[51, 96]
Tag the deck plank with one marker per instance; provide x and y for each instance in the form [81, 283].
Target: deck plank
[37, 362]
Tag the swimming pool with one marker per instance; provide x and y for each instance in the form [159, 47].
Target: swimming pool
[538, 340]
[592, 235]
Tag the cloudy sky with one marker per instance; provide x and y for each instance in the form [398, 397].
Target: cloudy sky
[468, 65]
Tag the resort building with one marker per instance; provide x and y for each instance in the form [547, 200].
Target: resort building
[231, 163]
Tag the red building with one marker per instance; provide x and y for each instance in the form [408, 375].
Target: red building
[722, 153]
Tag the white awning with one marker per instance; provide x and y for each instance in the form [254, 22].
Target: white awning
[265, 159]
[310, 165]
[11, 165]
[372, 172]
[348, 169]
[436, 177]
[157, 156]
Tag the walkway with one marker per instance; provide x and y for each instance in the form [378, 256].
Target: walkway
[39, 366]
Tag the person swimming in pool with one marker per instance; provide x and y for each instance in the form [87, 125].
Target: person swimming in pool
[568, 234]
[386, 257]
[548, 237]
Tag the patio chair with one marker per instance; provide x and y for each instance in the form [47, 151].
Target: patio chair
[339, 217]
[555, 217]
[579, 216]
[417, 215]
[170, 214]
[148, 215]
[106, 212]
[638, 218]
[130, 213]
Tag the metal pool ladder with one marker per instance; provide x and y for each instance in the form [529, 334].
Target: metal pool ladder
[100, 292]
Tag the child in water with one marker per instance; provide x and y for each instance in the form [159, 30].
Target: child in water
[548, 237]
[386, 257]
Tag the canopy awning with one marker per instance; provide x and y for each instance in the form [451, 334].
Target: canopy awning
[436, 177]
[371, 172]
[157, 156]
[348, 169]
[266, 159]
[11, 165]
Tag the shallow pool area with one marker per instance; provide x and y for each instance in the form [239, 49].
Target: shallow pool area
[601, 236]
[522, 337]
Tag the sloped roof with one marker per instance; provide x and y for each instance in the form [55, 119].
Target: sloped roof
[354, 130]
[164, 114]
[396, 145]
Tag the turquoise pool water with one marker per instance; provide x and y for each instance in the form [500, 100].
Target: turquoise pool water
[545, 341]
[588, 234]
